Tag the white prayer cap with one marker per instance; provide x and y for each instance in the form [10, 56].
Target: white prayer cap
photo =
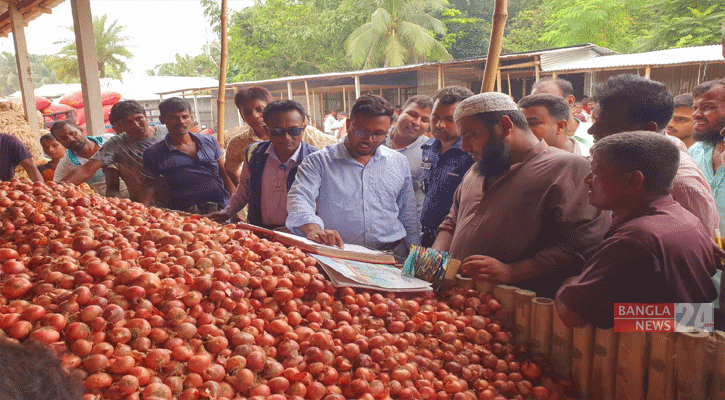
[484, 102]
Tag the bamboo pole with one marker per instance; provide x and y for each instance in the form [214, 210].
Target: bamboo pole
[691, 359]
[541, 322]
[508, 77]
[582, 350]
[307, 96]
[632, 358]
[717, 389]
[498, 81]
[344, 99]
[314, 109]
[289, 91]
[662, 384]
[505, 295]
[464, 282]
[221, 97]
[603, 364]
[522, 332]
[560, 346]
[500, 15]
[483, 286]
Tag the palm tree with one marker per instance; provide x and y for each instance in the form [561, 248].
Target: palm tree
[39, 72]
[398, 32]
[110, 52]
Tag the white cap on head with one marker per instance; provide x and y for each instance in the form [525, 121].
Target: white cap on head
[484, 102]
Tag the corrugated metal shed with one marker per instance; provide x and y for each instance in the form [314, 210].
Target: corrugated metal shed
[685, 55]
[554, 61]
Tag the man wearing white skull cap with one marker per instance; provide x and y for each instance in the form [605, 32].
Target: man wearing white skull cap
[521, 215]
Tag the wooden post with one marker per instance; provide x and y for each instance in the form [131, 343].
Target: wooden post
[322, 111]
[691, 359]
[357, 86]
[631, 370]
[307, 97]
[522, 333]
[663, 349]
[554, 75]
[88, 66]
[508, 77]
[498, 81]
[582, 351]
[344, 99]
[314, 109]
[221, 98]
[541, 321]
[381, 92]
[289, 90]
[500, 15]
[647, 71]
[560, 346]
[440, 77]
[196, 109]
[523, 87]
[537, 69]
[399, 102]
[717, 389]
[604, 363]
[23, 64]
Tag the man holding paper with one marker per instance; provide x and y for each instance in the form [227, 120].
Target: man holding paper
[357, 191]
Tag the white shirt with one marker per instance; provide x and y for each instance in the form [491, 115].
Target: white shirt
[329, 122]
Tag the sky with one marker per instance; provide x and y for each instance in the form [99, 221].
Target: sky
[159, 29]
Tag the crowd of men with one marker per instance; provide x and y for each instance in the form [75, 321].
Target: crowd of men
[616, 210]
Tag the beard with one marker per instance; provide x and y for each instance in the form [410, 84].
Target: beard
[495, 160]
[709, 136]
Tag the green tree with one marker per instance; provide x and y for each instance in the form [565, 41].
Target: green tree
[186, 65]
[682, 23]
[111, 50]
[398, 32]
[465, 36]
[39, 72]
[278, 38]
[525, 31]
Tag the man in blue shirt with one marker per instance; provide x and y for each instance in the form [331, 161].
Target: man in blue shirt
[190, 165]
[267, 177]
[444, 163]
[357, 191]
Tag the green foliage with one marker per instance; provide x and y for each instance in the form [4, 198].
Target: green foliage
[466, 36]
[398, 32]
[186, 65]
[683, 24]
[525, 31]
[39, 72]
[111, 51]
[285, 38]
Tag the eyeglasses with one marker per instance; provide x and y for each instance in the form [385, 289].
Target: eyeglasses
[376, 136]
[293, 131]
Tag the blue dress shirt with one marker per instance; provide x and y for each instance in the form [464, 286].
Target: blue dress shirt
[371, 205]
[442, 173]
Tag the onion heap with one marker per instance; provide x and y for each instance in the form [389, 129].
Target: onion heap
[145, 303]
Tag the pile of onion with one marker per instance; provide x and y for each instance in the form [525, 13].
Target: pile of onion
[143, 303]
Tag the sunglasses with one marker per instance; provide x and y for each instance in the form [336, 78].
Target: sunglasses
[293, 131]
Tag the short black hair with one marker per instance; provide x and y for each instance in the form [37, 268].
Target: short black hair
[48, 137]
[248, 93]
[565, 86]
[173, 105]
[452, 95]
[31, 371]
[683, 100]
[422, 101]
[647, 100]
[491, 118]
[371, 105]
[556, 106]
[282, 106]
[58, 125]
[124, 108]
[705, 87]
[654, 155]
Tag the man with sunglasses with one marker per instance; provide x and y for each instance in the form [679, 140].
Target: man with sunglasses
[267, 177]
[357, 191]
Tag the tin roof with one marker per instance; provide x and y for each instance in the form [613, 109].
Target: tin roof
[684, 55]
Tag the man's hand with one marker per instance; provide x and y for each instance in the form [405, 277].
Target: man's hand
[486, 269]
[218, 216]
[326, 236]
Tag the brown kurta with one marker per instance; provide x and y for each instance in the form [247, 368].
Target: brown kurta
[538, 209]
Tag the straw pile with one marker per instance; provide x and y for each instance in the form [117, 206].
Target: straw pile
[12, 121]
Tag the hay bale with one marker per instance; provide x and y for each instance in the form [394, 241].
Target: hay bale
[12, 121]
